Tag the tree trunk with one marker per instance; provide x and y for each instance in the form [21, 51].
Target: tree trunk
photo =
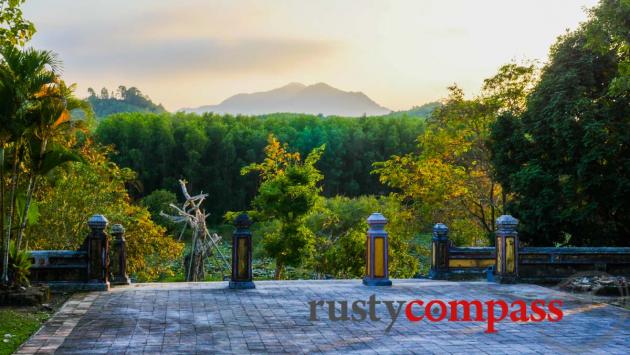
[279, 268]
[2, 203]
[29, 192]
[29, 195]
[12, 198]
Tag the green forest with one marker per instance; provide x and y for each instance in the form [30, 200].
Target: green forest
[548, 144]
[122, 100]
[209, 151]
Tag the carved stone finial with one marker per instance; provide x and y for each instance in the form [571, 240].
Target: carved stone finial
[507, 223]
[242, 221]
[376, 219]
[97, 222]
[440, 230]
[118, 229]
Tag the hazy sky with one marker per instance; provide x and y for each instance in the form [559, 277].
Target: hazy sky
[191, 52]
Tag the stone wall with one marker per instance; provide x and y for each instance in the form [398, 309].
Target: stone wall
[87, 268]
[529, 264]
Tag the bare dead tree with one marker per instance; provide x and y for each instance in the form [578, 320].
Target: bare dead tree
[203, 242]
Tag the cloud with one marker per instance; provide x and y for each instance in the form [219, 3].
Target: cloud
[170, 41]
[157, 56]
[208, 55]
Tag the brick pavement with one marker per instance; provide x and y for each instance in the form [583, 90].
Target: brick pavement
[274, 318]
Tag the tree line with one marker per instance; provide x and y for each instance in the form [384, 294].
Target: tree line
[210, 150]
[122, 100]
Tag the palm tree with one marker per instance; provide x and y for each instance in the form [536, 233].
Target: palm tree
[48, 119]
[24, 75]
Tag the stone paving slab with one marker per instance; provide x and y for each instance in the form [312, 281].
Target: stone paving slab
[184, 318]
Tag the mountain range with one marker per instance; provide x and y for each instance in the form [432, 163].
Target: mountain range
[314, 99]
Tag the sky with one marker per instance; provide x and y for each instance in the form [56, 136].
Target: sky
[188, 53]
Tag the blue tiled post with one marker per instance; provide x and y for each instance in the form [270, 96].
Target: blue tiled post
[98, 253]
[506, 250]
[376, 258]
[119, 251]
[242, 254]
[439, 252]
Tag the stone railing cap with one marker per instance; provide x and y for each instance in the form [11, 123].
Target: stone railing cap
[376, 218]
[242, 221]
[507, 220]
[118, 228]
[440, 229]
[97, 221]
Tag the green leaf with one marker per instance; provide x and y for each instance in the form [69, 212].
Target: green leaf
[56, 157]
[33, 211]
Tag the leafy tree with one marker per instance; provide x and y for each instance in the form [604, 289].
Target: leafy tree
[210, 150]
[339, 225]
[49, 119]
[27, 80]
[565, 158]
[287, 194]
[450, 179]
[14, 29]
[160, 201]
[423, 111]
[123, 100]
[77, 191]
[607, 34]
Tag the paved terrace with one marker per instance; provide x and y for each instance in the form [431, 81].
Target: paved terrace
[274, 318]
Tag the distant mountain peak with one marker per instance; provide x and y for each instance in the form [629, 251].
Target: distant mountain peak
[294, 85]
[319, 98]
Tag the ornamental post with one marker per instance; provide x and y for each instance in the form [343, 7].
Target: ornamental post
[242, 254]
[507, 250]
[98, 252]
[376, 258]
[439, 252]
[119, 259]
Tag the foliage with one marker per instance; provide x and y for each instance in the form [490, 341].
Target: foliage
[340, 227]
[287, 194]
[566, 157]
[423, 111]
[14, 29]
[19, 266]
[210, 150]
[79, 190]
[21, 324]
[125, 100]
[450, 178]
[35, 107]
[607, 34]
[160, 201]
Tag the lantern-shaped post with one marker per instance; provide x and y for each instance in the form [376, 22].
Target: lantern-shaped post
[439, 252]
[242, 254]
[507, 250]
[119, 253]
[376, 258]
[98, 252]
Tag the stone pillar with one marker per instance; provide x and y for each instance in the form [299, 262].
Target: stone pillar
[439, 252]
[242, 254]
[98, 253]
[507, 250]
[376, 253]
[119, 256]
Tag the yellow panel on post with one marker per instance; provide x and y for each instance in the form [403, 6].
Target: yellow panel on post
[509, 255]
[242, 259]
[367, 258]
[471, 262]
[379, 262]
[499, 256]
